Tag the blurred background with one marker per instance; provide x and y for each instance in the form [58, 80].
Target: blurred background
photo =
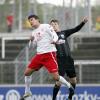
[15, 31]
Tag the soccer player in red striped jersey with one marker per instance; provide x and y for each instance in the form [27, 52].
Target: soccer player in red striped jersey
[45, 38]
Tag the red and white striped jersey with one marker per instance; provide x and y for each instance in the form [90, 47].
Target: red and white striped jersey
[44, 36]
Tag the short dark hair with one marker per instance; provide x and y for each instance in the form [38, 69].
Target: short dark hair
[54, 20]
[33, 16]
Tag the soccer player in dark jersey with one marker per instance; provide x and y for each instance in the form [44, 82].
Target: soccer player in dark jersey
[65, 60]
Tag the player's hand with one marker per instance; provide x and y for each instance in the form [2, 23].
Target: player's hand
[53, 42]
[31, 38]
[60, 41]
[85, 19]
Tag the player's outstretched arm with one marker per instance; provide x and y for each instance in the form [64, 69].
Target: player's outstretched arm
[77, 28]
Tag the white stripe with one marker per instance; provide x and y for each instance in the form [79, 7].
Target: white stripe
[54, 59]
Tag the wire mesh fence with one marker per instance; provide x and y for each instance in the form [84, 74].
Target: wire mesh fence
[88, 72]
[68, 14]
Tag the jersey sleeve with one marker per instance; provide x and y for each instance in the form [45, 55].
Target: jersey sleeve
[69, 32]
[51, 31]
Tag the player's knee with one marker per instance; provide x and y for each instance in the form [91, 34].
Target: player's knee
[73, 80]
[56, 77]
[27, 73]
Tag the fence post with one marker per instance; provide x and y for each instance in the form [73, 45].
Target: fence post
[27, 54]
[41, 76]
[72, 43]
[80, 73]
[3, 48]
[16, 71]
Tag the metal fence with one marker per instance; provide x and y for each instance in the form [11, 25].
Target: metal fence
[67, 14]
[88, 71]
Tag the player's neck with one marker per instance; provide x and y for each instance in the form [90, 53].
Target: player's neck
[37, 25]
[57, 30]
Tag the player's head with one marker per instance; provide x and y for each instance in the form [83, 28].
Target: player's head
[55, 24]
[34, 20]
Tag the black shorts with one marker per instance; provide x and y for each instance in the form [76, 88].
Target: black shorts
[66, 66]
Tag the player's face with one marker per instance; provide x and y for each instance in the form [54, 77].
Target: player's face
[34, 22]
[55, 26]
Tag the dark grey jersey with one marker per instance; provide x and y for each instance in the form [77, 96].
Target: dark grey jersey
[63, 48]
